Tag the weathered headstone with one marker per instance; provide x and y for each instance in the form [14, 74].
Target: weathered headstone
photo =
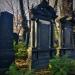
[43, 16]
[6, 41]
[67, 31]
[15, 38]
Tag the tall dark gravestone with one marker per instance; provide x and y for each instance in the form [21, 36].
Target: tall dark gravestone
[67, 33]
[6, 41]
[43, 17]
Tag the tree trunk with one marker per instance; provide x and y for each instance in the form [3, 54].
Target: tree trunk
[24, 24]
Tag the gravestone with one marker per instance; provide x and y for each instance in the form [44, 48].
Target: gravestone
[6, 41]
[67, 31]
[15, 38]
[43, 17]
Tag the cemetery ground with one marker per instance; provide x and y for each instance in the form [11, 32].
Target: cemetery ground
[57, 65]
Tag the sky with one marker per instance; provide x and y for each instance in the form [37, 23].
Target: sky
[73, 4]
[31, 2]
[6, 5]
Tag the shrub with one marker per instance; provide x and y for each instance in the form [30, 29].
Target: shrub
[61, 65]
[20, 50]
[13, 70]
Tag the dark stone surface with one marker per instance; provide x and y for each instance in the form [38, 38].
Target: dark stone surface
[6, 40]
[44, 15]
[15, 38]
[67, 32]
[40, 58]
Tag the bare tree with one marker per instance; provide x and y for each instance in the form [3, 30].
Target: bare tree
[24, 24]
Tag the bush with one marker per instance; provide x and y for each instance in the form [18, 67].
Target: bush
[61, 65]
[20, 50]
[13, 70]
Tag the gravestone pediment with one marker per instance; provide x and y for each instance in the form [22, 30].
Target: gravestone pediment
[43, 11]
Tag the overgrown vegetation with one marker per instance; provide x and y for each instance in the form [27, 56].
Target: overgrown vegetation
[13, 70]
[61, 65]
[20, 50]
